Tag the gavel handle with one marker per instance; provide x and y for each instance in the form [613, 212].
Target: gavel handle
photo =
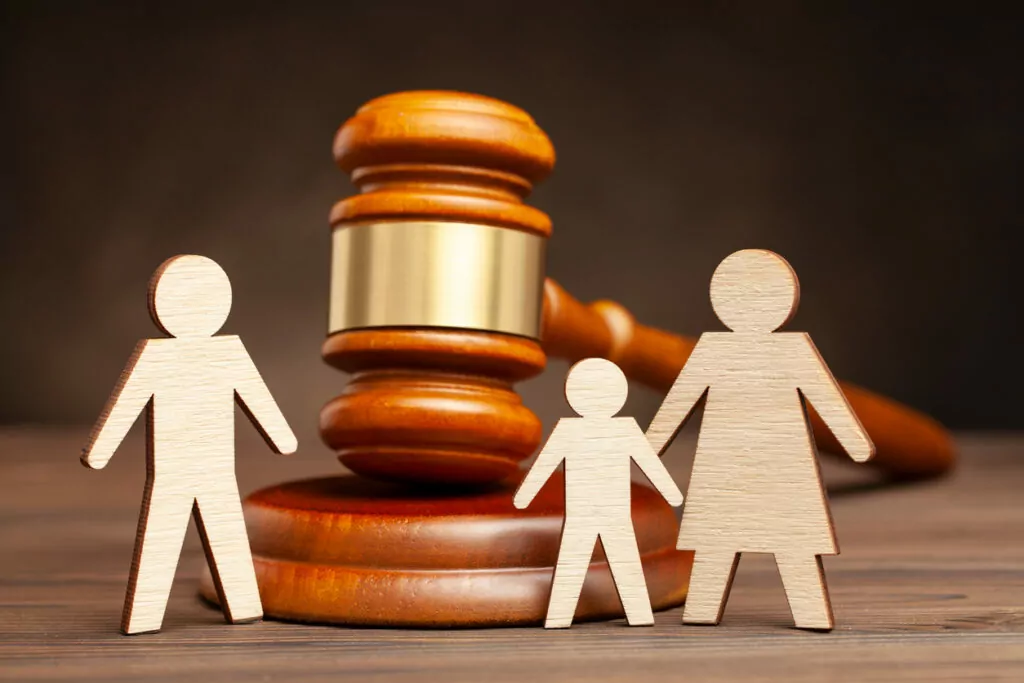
[908, 444]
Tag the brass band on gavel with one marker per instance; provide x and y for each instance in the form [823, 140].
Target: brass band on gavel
[436, 274]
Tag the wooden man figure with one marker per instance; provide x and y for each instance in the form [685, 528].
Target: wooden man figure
[755, 485]
[189, 382]
[597, 448]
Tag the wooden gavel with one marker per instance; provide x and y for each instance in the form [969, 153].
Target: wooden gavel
[439, 303]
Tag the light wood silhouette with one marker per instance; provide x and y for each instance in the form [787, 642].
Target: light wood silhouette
[755, 485]
[597, 449]
[188, 383]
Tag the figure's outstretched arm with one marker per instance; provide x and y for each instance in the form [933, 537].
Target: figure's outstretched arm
[257, 402]
[682, 398]
[654, 469]
[130, 396]
[820, 388]
[550, 457]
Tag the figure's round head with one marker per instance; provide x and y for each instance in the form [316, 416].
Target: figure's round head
[596, 387]
[754, 290]
[190, 296]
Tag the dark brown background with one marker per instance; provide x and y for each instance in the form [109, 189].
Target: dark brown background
[877, 148]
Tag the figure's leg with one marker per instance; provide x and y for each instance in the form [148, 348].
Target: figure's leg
[571, 569]
[804, 581]
[222, 529]
[628, 573]
[710, 583]
[162, 525]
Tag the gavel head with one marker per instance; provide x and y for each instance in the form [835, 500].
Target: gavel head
[436, 288]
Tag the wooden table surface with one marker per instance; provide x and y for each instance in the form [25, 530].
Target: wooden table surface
[930, 587]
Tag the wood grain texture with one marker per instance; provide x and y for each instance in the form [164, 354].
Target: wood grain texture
[928, 589]
[434, 407]
[432, 154]
[188, 383]
[597, 449]
[755, 485]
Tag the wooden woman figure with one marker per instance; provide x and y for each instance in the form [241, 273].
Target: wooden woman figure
[755, 485]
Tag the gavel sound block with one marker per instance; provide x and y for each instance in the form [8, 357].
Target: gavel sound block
[438, 306]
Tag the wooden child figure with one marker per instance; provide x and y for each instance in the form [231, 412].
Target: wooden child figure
[597, 448]
[189, 382]
[755, 485]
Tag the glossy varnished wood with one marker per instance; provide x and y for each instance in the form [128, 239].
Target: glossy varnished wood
[930, 586]
[348, 550]
[454, 419]
[431, 406]
[447, 155]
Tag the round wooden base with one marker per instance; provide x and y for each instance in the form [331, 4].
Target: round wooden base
[348, 550]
